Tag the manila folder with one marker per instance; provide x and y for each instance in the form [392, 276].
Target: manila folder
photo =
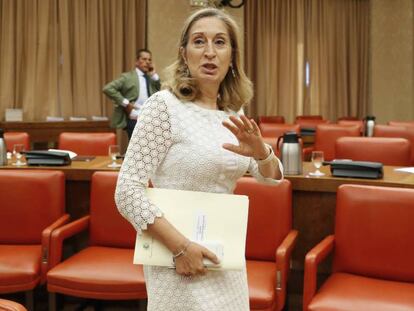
[211, 218]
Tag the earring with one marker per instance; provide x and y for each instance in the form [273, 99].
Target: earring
[232, 71]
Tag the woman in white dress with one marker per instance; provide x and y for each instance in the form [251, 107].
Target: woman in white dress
[190, 137]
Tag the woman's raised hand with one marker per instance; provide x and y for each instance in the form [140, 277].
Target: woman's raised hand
[248, 134]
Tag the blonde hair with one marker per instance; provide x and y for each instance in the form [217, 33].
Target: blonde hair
[235, 90]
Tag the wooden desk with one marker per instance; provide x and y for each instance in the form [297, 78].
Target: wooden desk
[41, 132]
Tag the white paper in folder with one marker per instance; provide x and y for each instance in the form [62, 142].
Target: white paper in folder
[217, 221]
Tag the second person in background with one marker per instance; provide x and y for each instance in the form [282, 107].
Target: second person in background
[131, 90]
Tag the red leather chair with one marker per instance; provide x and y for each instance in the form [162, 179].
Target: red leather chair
[310, 123]
[8, 305]
[270, 241]
[271, 119]
[326, 135]
[359, 123]
[388, 151]
[397, 131]
[12, 138]
[401, 123]
[104, 269]
[275, 130]
[309, 117]
[372, 251]
[32, 206]
[348, 118]
[93, 144]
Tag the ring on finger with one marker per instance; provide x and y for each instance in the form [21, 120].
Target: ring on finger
[250, 131]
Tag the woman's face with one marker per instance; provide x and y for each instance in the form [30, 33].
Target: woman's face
[208, 51]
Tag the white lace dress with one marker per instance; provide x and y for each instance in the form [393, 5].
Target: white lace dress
[179, 146]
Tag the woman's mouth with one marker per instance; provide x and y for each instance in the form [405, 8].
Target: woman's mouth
[209, 68]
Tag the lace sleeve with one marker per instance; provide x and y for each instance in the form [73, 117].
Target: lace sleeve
[148, 146]
[254, 171]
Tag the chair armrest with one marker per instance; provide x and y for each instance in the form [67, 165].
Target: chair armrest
[283, 253]
[62, 233]
[46, 233]
[312, 260]
[307, 152]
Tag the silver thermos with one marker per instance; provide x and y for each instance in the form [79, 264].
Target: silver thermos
[369, 126]
[290, 153]
[3, 149]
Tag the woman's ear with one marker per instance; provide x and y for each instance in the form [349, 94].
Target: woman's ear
[182, 52]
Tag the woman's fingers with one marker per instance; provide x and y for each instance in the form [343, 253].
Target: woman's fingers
[255, 127]
[211, 256]
[191, 263]
[232, 148]
[246, 123]
[235, 130]
[237, 122]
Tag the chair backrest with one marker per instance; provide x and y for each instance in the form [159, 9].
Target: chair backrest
[309, 117]
[327, 134]
[270, 216]
[276, 130]
[12, 138]
[401, 123]
[374, 232]
[397, 131]
[310, 123]
[95, 144]
[348, 118]
[30, 200]
[359, 123]
[107, 226]
[388, 151]
[271, 119]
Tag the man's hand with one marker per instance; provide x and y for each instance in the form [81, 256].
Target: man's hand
[129, 108]
[151, 69]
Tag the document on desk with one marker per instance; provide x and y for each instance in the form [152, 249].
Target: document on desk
[215, 220]
[405, 170]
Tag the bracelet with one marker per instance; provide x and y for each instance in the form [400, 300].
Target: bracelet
[181, 252]
[268, 159]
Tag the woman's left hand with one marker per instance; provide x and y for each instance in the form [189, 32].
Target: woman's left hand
[248, 134]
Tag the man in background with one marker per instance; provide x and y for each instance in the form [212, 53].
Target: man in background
[131, 90]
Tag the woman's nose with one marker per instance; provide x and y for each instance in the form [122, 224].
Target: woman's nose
[209, 52]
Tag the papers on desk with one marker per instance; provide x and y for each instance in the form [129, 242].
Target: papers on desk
[71, 153]
[405, 170]
[78, 119]
[99, 118]
[14, 114]
[54, 119]
[217, 221]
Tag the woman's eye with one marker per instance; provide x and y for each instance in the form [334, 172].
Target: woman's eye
[198, 41]
[220, 42]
